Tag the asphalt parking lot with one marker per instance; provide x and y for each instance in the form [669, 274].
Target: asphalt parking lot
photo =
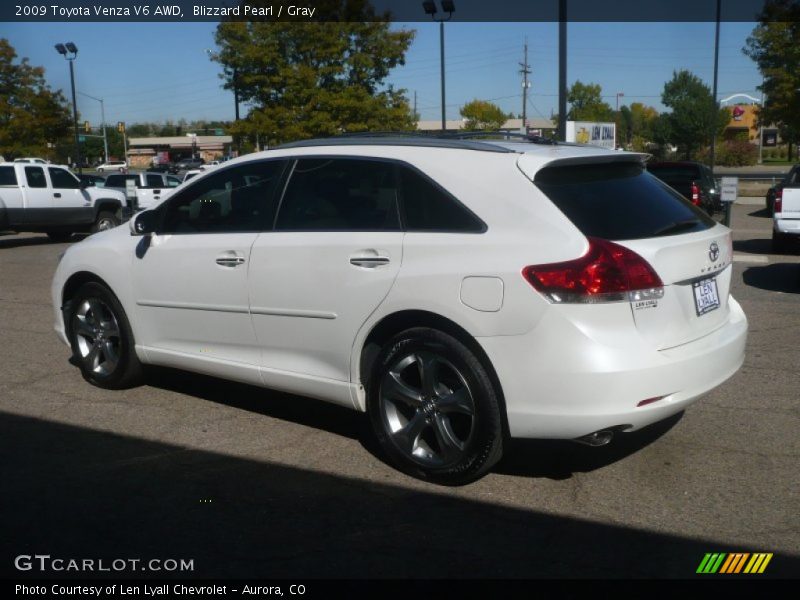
[253, 483]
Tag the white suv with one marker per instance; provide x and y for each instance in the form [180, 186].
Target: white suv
[460, 292]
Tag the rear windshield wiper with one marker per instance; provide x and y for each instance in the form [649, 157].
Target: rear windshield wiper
[676, 226]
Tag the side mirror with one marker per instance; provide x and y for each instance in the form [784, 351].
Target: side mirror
[144, 223]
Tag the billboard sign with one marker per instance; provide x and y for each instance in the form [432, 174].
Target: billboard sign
[595, 134]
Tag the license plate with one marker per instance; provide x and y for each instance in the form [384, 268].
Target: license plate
[706, 296]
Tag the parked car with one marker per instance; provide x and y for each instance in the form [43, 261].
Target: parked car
[39, 161]
[189, 164]
[162, 168]
[786, 217]
[693, 180]
[150, 187]
[51, 199]
[94, 180]
[791, 178]
[115, 165]
[460, 292]
[192, 173]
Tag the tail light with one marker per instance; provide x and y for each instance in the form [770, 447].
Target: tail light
[607, 272]
[695, 194]
[778, 206]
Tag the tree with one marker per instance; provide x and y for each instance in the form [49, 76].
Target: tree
[482, 115]
[692, 118]
[586, 103]
[773, 45]
[315, 79]
[32, 116]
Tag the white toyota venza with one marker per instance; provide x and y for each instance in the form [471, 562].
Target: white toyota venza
[460, 292]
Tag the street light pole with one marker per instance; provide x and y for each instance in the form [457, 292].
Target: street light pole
[449, 7]
[103, 119]
[65, 50]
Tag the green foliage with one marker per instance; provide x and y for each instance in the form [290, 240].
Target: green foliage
[305, 80]
[480, 114]
[731, 153]
[635, 121]
[694, 116]
[586, 103]
[774, 46]
[31, 114]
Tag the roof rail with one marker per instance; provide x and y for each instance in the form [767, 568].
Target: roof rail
[506, 135]
[396, 139]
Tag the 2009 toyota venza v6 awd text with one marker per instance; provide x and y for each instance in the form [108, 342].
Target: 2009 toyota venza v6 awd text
[460, 292]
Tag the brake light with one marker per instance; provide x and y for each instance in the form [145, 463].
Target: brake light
[778, 206]
[695, 194]
[607, 272]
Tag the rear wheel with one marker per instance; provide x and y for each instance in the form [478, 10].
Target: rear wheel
[434, 409]
[101, 339]
[59, 236]
[105, 220]
[99, 169]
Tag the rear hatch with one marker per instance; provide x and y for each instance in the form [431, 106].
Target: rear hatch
[690, 252]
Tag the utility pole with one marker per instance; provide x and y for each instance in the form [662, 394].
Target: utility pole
[416, 117]
[714, 104]
[525, 71]
[562, 70]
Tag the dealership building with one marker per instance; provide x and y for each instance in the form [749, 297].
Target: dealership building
[142, 150]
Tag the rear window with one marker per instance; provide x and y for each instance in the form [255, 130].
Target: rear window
[119, 180]
[619, 201]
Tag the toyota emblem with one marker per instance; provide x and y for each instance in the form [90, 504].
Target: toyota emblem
[713, 251]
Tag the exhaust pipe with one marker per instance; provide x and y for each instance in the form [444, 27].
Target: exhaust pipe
[598, 438]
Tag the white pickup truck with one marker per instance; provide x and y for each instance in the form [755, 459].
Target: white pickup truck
[786, 217]
[51, 200]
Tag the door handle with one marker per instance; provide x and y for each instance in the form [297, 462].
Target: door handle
[230, 261]
[57, 195]
[156, 191]
[369, 262]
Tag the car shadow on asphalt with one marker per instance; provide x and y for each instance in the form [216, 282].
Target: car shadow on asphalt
[560, 459]
[761, 212]
[777, 277]
[551, 459]
[753, 246]
[14, 241]
[72, 492]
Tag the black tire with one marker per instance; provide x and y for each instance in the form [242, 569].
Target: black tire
[778, 242]
[105, 220]
[471, 428]
[59, 236]
[115, 364]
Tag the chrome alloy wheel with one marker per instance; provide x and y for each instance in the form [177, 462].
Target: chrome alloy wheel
[97, 336]
[427, 409]
[105, 224]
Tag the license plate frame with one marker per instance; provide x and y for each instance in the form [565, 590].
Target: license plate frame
[706, 295]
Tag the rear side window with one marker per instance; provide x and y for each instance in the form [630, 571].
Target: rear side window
[35, 177]
[119, 180]
[340, 195]
[427, 207]
[8, 176]
[619, 201]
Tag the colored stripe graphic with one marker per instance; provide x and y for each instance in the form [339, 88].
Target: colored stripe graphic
[733, 563]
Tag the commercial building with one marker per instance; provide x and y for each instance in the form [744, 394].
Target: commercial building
[142, 151]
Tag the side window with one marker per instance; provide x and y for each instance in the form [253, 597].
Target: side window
[173, 181]
[63, 179]
[155, 181]
[238, 199]
[427, 207]
[35, 177]
[8, 176]
[340, 194]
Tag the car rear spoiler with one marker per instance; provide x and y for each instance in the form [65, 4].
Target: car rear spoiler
[530, 164]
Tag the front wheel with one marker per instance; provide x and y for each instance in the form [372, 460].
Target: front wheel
[101, 339]
[105, 220]
[99, 169]
[434, 409]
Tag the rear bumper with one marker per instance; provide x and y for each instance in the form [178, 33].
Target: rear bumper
[575, 385]
[786, 226]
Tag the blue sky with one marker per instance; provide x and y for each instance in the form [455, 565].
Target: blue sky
[160, 71]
